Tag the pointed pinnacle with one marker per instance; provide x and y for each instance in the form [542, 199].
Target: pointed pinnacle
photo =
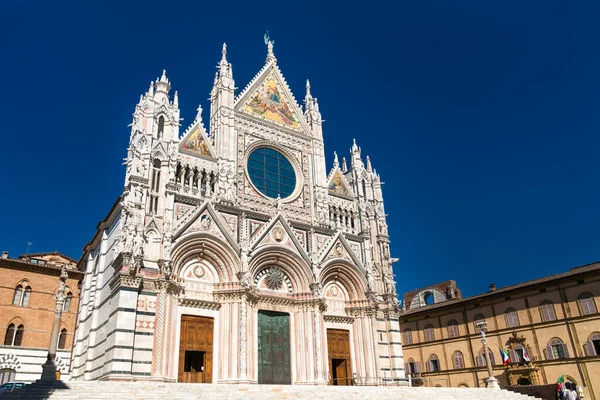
[163, 78]
[224, 53]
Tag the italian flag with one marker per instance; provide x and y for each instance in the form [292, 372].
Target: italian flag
[504, 356]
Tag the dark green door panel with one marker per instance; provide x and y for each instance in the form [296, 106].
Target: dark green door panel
[274, 348]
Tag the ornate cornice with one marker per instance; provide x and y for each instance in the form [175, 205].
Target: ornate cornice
[340, 319]
[195, 303]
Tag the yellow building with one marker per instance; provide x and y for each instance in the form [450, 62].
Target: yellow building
[554, 321]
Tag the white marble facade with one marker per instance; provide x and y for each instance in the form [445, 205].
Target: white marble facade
[193, 234]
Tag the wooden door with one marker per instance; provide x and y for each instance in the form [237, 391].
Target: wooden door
[195, 349]
[338, 349]
[274, 348]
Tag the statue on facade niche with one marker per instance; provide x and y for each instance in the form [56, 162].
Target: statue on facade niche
[370, 280]
[389, 284]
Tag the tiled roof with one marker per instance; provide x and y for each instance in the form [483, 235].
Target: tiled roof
[595, 266]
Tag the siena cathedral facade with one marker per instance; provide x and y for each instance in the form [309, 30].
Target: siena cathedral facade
[234, 254]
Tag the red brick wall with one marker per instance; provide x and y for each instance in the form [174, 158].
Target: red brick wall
[38, 315]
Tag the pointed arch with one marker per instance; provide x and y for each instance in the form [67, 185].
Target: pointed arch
[206, 246]
[348, 274]
[291, 263]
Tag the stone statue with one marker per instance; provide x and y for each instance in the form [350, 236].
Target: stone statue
[370, 280]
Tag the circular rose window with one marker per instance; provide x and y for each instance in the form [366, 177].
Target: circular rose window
[271, 173]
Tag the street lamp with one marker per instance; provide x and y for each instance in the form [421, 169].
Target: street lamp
[49, 367]
[491, 382]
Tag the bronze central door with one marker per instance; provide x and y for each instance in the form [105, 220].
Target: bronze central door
[338, 348]
[195, 349]
[274, 348]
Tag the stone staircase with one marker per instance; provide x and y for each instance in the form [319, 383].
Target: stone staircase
[89, 390]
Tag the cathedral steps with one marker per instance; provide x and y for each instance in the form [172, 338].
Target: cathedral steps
[154, 390]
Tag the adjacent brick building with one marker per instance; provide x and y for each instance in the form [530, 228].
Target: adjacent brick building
[27, 305]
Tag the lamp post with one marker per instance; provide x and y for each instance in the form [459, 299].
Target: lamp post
[49, 367]
[491, 382]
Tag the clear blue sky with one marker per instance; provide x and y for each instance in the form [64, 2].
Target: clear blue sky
[483, 118]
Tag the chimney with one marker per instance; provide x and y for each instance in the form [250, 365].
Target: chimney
[492, 287]
[5, 254]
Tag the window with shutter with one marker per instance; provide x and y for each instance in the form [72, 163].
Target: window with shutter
[558, 349]
[453, 329]
[459, 361]
[588, 306]
[408, 339]
[512, 319]
[429, 335]
[417, 367]
[549, 353]
[548, 314]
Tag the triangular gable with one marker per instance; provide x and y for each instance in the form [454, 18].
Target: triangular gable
[206, 219]
[338, 247]
[278, 232]
[269, 98]
[195, 140]
[337, 184]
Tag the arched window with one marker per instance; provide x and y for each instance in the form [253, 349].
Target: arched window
[26, 296]
[452, 328]
[592, 346]
[7, 375]
[481, 360]
[17, 295]
[458, 360]
[429, 334]
[62, 339]
[477, 320]
[21, 295]
[19, 336]
[161, 127]
[412, 367]
[433, 364]
[155, 186]
[10, 335]
[588, 306]
[512, 319]
[428, 298]
[547, 311]
[556, 349]
[67, 303]
[408, 339]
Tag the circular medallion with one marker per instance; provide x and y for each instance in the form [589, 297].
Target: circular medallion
[274, 279]
[334, 291]
[199, 272]
[271, 173]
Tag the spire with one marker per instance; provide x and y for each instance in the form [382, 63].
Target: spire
[270, 43]
[356, 160]
[336, 163]
[308, 95]
[176, 99]
[162, 88]
[151, 90]
[369, 167]
[344, 165]
[224, 66]
[224, 54]
[354, 148]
